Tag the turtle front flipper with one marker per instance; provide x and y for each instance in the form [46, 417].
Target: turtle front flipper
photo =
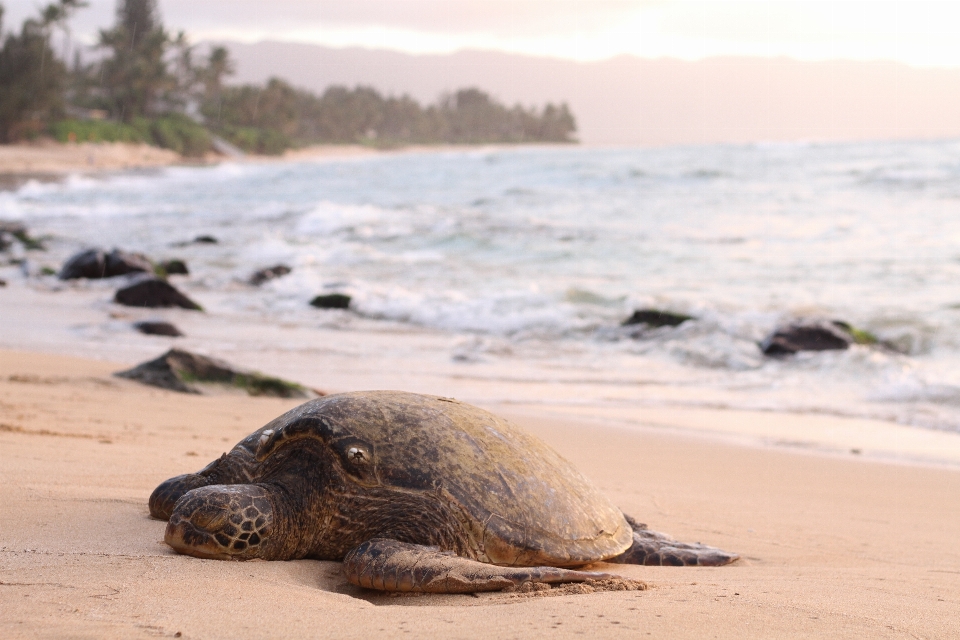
[653, 548]
[389, 565]
[230, 522]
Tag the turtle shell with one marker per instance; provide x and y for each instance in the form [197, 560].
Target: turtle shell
[522, 503]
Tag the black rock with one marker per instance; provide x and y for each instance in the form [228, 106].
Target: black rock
[10, 230]
[808, 336]
[331, 301]
[94, 263]
[263, 275]
[656, 318]
[3, 283]
[175, 267]
[157, 328]
[154, 292]
[205, 240]
[174, 369]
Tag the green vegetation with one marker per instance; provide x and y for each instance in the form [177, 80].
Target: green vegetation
[272, 118]
[31, 77]
[257, 384]
[29, 242]
[860, 336]
[94, 131]
[147, 81]
[174, 131]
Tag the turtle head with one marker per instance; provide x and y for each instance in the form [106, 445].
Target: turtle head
[225, 522]
[238, 466]
[165, 496]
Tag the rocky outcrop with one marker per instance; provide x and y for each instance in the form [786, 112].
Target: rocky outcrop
[331, 301]
[95, 263]
[198, 240]
[188, 372]
[656, 318]
[174, 267]
[10, 231]
[276, 271]
[815, 335]
[157, 328]
[154, 292]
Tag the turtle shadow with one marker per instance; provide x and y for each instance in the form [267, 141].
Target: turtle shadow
[523, 593]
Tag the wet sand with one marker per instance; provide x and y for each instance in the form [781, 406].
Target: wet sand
[834, 543]
[49, 160]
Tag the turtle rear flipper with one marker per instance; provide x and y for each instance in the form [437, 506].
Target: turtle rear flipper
[655, 549]
[389, 565]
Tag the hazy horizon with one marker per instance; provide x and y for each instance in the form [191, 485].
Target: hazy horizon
[633, 71]
[916, 33]
[638, 101]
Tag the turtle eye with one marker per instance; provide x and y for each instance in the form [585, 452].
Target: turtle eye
[357, 455]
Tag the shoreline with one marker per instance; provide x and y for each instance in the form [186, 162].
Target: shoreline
[341, 353]
[831, 546]
[50, 161]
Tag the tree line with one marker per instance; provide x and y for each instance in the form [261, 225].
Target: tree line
[152, 86]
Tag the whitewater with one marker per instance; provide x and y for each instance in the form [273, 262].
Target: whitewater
[504, 274]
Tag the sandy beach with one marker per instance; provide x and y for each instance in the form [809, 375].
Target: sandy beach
[846, 522]
[53, 159]
[833, 545]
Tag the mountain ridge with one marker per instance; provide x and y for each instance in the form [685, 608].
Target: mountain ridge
[639, 101]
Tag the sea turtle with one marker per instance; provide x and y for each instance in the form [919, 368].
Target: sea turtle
[413, 493]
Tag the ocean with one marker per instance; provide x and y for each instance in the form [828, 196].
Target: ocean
[504, 274]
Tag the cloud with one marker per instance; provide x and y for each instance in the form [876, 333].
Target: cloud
[915, 32]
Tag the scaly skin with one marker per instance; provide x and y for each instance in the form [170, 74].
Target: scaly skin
[388, 565]
[414, 493]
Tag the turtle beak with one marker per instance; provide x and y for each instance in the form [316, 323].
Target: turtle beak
[222, 522]
[166, 495]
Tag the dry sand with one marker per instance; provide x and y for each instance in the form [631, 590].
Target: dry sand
[53, 159]
[833, 545]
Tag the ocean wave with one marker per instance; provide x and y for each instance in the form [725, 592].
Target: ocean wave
[537, 256]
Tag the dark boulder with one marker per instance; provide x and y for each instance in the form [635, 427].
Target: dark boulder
[808, 336]
[174, 267]
[154, 292]
[183, 371]
[157, 328]
[10, 231]
[331, 301]
[270, 273]
[95, 263]
[197, 240]
[656, 318]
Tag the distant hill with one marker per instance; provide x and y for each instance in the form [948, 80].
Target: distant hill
[629, 100]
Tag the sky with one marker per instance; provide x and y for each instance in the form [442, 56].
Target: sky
[917, 33]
